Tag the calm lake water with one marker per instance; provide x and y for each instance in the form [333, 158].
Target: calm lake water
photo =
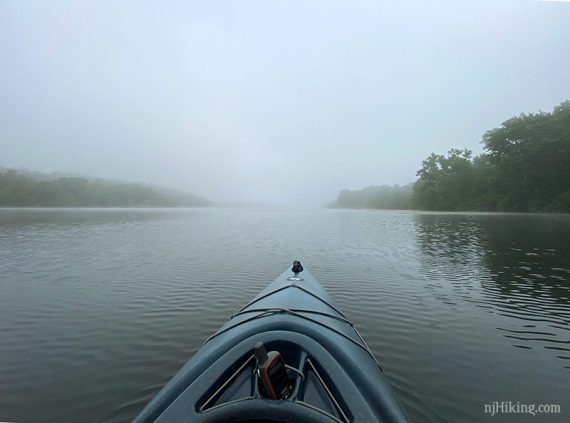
[99, 308]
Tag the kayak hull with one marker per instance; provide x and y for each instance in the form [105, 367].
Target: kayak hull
[336, 377]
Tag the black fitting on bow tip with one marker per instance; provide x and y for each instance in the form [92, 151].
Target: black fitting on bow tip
[297, 267]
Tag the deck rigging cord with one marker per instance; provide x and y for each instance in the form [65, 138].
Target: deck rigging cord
[264, 312]
[293, 285]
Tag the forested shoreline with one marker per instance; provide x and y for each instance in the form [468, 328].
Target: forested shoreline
[376, 197]
[24, 189]
[525, 167]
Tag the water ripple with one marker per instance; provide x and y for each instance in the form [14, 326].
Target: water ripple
[101, 307]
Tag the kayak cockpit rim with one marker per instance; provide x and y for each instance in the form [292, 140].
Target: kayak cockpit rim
[204, 407]
[264, 312]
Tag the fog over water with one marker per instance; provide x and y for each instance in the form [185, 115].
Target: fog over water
[277, 102]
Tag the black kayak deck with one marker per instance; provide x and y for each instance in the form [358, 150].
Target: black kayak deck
[336, 377]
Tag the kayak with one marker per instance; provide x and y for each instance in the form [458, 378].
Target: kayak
[289, 355]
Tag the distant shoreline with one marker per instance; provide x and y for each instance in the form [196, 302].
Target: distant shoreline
[525, 168]
[478, 212]
[102, 207]
[410, 211]
[26, 189]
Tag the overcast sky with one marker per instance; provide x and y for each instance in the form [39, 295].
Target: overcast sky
[268, 101]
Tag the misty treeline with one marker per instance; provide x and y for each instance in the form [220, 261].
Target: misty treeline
[525, 167]
[19, 189]
[377, 197]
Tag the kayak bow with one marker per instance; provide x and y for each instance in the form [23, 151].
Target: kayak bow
[334, 377]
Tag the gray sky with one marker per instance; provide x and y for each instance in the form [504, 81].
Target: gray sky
[268, 100]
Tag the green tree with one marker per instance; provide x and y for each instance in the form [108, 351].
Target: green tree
[531, 153]
[446, 182]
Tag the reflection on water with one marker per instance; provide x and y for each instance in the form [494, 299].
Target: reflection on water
[99, 308]
[508, 264]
